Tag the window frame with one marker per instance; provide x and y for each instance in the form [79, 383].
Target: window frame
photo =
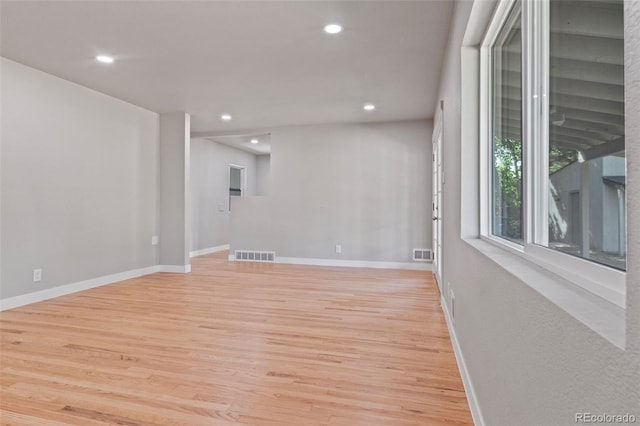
[604, 281]
[496, 38]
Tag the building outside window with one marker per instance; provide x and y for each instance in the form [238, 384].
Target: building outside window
[587, 170]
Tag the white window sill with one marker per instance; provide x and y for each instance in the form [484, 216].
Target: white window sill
[601, 316]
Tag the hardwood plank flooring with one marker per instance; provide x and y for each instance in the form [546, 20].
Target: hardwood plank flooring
[235, 344]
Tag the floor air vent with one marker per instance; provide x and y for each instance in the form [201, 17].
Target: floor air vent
[422, 255]
[255, 256]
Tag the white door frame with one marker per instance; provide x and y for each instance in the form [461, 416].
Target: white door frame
[436, 206]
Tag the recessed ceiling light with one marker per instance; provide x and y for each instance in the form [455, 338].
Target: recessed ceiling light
[105, 59]
[332, 29]
[369, 107]
[225, 117]
[254, 141]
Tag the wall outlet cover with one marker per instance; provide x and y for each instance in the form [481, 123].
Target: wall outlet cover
[154, 240]
[37, 275]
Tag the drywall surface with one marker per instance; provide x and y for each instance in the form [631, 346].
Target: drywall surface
[252, 224]
[263, 174]
[174, 188]
[365, 187]
[210, 216]
[530, 362]
[79, 182]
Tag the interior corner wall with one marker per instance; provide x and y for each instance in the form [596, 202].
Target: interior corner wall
[79, 182]
[529, 361]
[366, 187]
[209, 212]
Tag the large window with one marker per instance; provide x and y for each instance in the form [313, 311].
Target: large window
[554, 79]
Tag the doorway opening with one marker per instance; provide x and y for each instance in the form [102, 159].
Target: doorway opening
[237, 181]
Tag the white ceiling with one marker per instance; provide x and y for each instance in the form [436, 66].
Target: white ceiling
[243, 142]
[268, 63]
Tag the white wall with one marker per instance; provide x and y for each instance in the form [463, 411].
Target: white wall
[79, 182]
[530, 362]
[263, 172]
[364, 186]
[209, 185]
[174, 141]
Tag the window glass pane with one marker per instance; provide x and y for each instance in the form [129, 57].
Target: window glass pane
[587, 170]
[506, 58]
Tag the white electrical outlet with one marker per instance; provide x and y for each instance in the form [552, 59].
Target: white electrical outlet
[154, 240]
[338, 248]
[37, 275]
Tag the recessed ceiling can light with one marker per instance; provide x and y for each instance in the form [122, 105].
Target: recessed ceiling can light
[254, 141]
[369, 107]
[225, 117]
[105, 59]
[332, 29]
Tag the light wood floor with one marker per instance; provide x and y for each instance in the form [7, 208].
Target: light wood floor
[237, 343]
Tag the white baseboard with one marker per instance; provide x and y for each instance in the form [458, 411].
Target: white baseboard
[179, 269]
[208, 250]
[349, 263]
[476, 413]
[50, 293]
[354, 263]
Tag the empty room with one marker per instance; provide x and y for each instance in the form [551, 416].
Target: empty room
[357, 212]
